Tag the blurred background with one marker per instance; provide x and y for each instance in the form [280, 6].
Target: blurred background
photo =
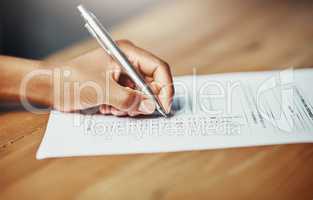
[37, 28]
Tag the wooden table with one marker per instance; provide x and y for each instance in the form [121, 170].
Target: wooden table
[213, 36]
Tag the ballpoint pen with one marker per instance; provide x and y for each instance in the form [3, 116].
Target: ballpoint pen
[103, 37]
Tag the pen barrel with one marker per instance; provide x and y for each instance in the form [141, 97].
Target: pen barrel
[107, 43]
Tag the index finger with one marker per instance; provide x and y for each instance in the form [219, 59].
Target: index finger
[150, 65]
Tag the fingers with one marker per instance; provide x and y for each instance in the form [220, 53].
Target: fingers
[117, 112]
[105, 109]
[128, 100]
[150, 65]
[109, 110]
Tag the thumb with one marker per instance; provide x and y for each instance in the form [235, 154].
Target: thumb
[130, 100]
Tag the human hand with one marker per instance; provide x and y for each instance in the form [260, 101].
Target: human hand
[95, 79]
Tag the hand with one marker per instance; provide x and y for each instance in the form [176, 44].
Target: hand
[95, 79]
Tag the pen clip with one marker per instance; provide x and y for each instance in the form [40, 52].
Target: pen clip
[91, 31]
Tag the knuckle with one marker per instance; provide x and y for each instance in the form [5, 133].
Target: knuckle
[124, 42]
[164, 64]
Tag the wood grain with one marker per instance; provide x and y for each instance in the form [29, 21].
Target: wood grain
[212, 36]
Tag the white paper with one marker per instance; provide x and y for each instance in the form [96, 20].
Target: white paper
[210, 112]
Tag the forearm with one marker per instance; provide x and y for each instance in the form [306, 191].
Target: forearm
[14, 71]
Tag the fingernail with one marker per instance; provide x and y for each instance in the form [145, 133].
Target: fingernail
[146, 106]
[133, 113]
[101, 110]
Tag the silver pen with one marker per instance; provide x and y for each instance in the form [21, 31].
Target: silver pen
[107, 43]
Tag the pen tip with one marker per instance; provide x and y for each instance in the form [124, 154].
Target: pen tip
[164, 113]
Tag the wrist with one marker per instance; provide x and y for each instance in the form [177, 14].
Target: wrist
[48, 85]
[35, 84]
[39, 86]
[13, 73]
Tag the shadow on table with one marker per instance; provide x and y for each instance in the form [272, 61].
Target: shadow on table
[9, 107]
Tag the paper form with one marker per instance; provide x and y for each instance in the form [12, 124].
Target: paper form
[209, 112]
